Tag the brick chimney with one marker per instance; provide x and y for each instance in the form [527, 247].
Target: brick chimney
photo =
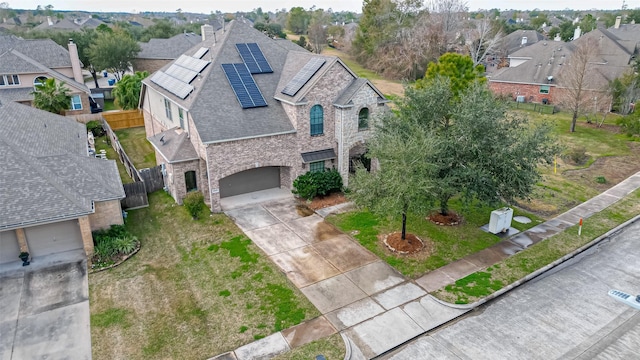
[75, 62]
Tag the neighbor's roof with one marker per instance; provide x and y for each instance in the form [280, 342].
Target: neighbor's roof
[47, 174]
[628, 35]
[513, 41]
[545, 58]
[170, 48]
[44, 51]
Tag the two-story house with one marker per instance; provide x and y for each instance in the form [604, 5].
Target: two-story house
[26, 63]
[242, 112]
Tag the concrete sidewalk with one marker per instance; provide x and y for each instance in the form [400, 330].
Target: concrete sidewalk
[373, 307]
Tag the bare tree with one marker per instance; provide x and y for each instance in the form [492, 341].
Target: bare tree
[577, 81]
[485, 39]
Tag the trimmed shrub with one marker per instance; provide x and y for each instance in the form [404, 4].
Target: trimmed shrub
[194, 203]
[320, 183]
[95, 127]
[113, 242]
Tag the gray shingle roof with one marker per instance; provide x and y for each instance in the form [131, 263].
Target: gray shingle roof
[175, 145]
[629, 35]
[546, 59]
[44, 51]
[347, 95]
[513, 41]
[170, 48]
[47, 175]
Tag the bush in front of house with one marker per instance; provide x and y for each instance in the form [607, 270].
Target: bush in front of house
[318, 183]
[112, 244]
[194, 203]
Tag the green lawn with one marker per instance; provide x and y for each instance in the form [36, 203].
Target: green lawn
[194, 290]
[482, 283]
[110, 105]
[450, 243]
[135, 144]
[101, 144]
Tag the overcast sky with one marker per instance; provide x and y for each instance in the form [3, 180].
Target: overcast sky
[206, 6]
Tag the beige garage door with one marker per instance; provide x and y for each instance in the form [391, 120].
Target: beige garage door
[9, 248]
[250, 180]
[54, 238]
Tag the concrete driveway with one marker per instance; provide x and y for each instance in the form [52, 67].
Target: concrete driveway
[44, 309]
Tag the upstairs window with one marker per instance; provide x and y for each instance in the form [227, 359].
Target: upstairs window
[544, 89]
[76, 102]
[39, 80]
[167, 109]
[363, 119]
[181, 117]
[317, 120]
[9, 80]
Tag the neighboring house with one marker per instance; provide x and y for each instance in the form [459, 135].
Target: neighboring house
[25, 63]
[52, 193]
[58, 24]
[157, 53]
[227, 124]
[538, 73]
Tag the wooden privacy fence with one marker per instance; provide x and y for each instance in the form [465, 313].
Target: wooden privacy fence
[124, 119]
[145, 180]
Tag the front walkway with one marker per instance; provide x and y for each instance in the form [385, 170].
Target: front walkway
[373, 306]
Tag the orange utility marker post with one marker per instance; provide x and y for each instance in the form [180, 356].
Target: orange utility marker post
[580, 228]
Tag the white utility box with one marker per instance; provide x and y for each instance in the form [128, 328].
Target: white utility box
[500, 220]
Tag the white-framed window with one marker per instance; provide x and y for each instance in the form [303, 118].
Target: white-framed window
[9, 80]
[167, 109]
[39, 80]
[181, 117]
[317, 166]
[76, 102]
[544, 89]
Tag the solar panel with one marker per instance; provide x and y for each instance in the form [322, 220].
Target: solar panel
[171, 84]
[183, 74]
[201, 52]
[254, 58]
[260, 59]
[192, 63]
[244, 86]
[303, 76]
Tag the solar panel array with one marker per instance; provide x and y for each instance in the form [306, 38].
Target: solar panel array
[303, 76]
[244, 86]
[171, 84]
[181, 73]
[254, 58]
[201, 52]
[192, 63]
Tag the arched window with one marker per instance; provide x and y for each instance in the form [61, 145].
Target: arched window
[317, 120]
[363, 119]
[39, 80]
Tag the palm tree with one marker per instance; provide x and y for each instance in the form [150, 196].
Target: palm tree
[52, 96]
[127, 90]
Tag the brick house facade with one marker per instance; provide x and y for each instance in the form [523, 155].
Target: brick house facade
[210, 139]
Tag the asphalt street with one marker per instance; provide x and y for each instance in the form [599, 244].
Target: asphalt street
[564, 315]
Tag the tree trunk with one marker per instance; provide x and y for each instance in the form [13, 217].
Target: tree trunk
[444, 204]
[573, 121]
[95, 79]
[404, 226]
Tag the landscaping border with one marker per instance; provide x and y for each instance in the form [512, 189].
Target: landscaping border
[93, 271]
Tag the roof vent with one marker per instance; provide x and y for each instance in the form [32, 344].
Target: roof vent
[162, 139]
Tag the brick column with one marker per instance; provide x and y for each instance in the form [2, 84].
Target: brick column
[22, 240]
[87, 238]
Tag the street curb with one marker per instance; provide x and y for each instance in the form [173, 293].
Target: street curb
[546, 268]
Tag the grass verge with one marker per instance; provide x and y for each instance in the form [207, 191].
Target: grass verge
[483, 283]
[194, 290]
[450, 243]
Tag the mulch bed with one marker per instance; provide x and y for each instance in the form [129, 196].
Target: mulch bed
[320, 202]
[411, 244]
[451, 219]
